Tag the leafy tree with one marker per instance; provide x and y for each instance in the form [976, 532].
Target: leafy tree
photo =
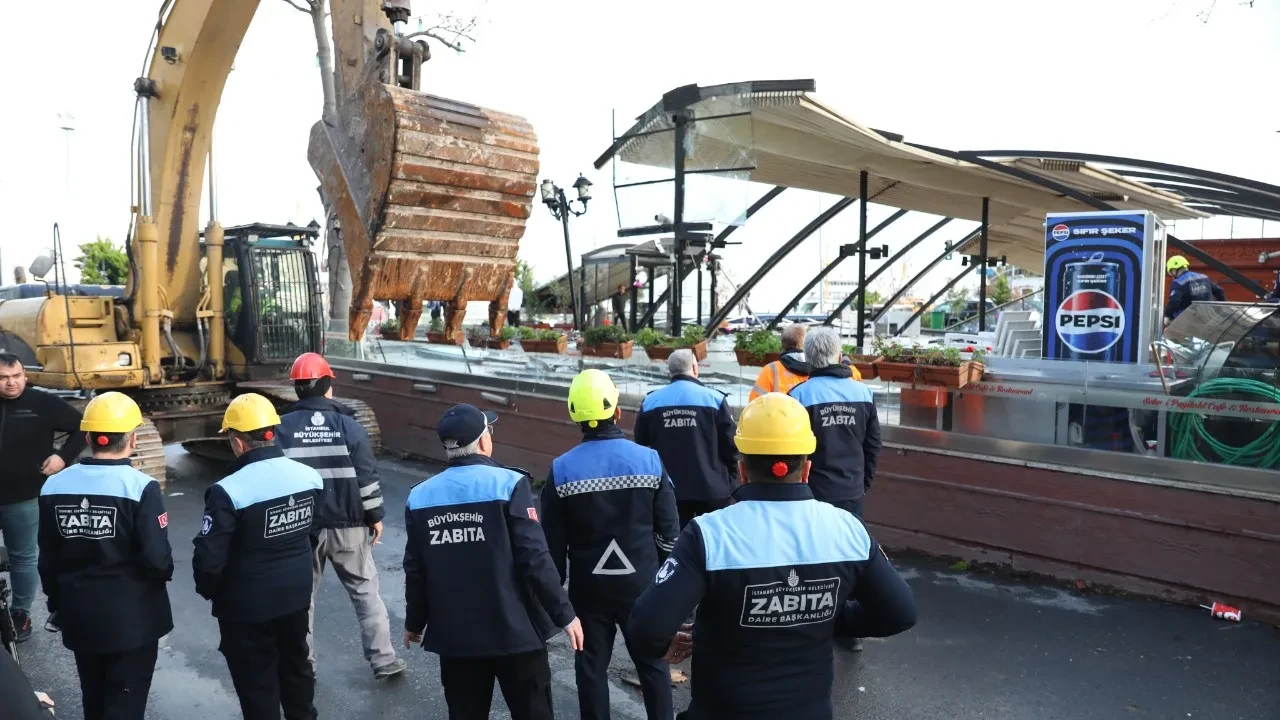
[957, 297]
[874, 297]
[1001, 292]
[102, 263]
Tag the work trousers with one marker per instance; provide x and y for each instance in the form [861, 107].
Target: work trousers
[114, 686]
[525, 680]
[513, 318]
[269, 667]
[350, 550]
[20, 526]
[853, 507]
[592, 669]
[690, 509]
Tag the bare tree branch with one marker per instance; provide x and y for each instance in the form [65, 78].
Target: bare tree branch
[449, 31]
[298, 7]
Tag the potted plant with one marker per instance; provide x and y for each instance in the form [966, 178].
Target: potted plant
[436, 334]
[503, 341]
[612, 341]
[656, 345]
[864, 363]
[695, 338]
[927, 366]
[547, 341]
[757, 348]
[390, 329]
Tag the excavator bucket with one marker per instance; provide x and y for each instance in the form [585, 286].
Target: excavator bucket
[431, 197]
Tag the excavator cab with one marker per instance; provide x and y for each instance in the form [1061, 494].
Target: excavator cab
[271, 297]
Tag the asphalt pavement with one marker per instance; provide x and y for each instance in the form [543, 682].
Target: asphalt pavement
[985, 647]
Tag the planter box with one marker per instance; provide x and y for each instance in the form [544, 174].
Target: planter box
[659, 352]
[895, 371]
[910, 373]
[662, 352]
[746, 359]
[609, 350]
[952, 377]
[497, 344]
[545, 346]
[440, 338]
[388, 335]
[866, 365]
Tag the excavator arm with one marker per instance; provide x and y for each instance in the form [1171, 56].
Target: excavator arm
[431, 194]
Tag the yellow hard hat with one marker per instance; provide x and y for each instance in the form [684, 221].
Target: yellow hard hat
[1177, 262]
[775, 424]
[592, 397]
[111, 412]
[249, 412]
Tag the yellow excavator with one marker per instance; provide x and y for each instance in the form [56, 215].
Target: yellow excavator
[431, 197]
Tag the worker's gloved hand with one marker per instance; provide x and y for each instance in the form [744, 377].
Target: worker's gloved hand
[574, 631]
[681, 645]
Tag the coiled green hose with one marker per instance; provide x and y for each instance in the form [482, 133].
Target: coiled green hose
[1188, 428]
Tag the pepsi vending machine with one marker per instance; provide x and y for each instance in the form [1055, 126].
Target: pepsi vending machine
[1104, 283]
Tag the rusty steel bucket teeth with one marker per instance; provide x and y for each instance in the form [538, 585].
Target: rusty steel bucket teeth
[432, 196]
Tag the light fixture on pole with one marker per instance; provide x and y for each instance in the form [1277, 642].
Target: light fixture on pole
[561, 208]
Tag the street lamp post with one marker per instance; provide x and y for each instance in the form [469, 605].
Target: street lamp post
[554, 198]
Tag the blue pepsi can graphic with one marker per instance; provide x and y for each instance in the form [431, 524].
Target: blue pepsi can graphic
[1090, 320]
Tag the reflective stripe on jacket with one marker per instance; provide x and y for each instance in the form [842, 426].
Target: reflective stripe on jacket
[323, 434]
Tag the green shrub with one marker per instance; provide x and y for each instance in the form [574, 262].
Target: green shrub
[648, 337]
[508, 333]
[694, 334]
[758, 343]
[548, 336]
[526, 333]
[614, 334]
[437, 325]
[390, 326]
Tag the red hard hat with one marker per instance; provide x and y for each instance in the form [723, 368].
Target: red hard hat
[310, 366]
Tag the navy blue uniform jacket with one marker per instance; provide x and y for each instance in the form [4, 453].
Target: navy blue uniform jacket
[105, 556]
[323, 434]
[843, 416]
[478, 580]
[1191, 287]
[691, 427]
[609, 510]
[253, 554]
[772, 577]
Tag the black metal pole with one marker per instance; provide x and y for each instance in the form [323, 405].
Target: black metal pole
[698, 269]
[653, 278]
[982, 267]
[677, 224]
[715, 262]
[631, 321]
[920, 310]
[582, 295]
[568, 255]
[862, 254]
[844, 304]
[957, 247]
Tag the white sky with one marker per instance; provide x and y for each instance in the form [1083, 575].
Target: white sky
[1143, 78]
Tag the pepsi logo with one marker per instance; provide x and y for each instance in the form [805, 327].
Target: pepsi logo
[1090, 321]
[1061, 232]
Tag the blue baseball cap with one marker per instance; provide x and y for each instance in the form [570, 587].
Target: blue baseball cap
[463, 424]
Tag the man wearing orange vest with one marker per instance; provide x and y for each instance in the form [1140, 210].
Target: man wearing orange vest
[791, 369]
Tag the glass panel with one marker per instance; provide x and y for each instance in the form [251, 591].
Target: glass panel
[287, 322]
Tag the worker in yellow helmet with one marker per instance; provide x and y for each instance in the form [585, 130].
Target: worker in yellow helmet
[1187, 287]
[609, 510]
[105, 561]
[253, 560]
[776, 575]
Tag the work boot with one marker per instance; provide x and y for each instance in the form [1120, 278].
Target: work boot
[21, 625]
[391, 669]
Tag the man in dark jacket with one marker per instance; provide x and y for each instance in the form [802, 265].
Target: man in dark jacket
[480, 588]
[608, 507]
[324, 435]
[28, 420]
[620, 307]
[845, 422]
[691, 427]
[104, 562]
[774, 577]
[1188, 286]
[253, 560]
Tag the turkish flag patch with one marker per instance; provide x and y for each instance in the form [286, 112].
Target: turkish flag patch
[533, 514]
[163, 520]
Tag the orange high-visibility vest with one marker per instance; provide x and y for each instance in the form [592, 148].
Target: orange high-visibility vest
[775, 377]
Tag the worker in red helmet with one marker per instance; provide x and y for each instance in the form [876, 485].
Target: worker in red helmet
[323, 434]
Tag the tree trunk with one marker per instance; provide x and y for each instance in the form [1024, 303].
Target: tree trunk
[339, 269]
[324, 51]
